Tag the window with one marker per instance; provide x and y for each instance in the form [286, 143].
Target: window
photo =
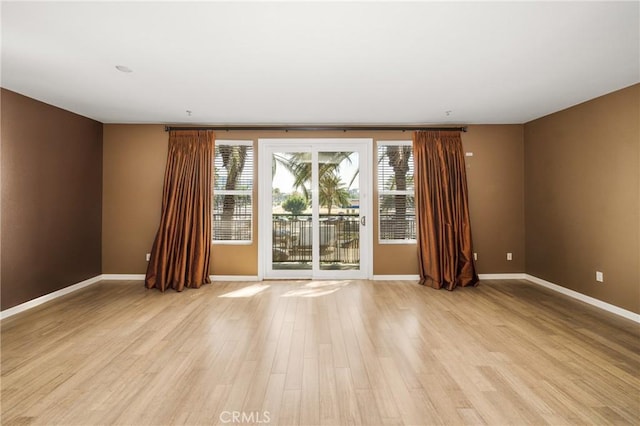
[233, 192]
[396, 201]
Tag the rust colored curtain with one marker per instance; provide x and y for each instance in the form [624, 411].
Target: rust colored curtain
[182, 247]
[445, 249]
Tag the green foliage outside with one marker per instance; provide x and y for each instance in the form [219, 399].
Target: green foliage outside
[295, 204]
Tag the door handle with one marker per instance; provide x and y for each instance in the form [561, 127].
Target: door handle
[363, 220]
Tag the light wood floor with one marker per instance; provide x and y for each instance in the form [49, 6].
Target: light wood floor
[334, 352]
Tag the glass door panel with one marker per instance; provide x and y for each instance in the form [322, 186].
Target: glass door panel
[291, 211]
[339, 210]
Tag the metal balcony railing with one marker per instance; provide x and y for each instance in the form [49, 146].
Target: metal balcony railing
[339, 238]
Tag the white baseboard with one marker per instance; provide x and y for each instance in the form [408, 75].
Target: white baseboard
[516, 276]
[123, 277]
[396, 277]
[234, 278]
[584, 298]
[47, 297]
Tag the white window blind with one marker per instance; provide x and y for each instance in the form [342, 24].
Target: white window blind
[396, 196]
[233, 192]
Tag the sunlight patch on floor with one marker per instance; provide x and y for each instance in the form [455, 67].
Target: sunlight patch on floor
[317, 288]
[249, 291]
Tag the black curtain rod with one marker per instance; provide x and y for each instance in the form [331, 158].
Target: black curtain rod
[318, 128]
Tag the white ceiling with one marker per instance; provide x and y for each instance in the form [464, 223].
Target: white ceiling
[319, 63]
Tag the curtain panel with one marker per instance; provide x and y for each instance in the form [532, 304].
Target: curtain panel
[445, 249]
[182, 247]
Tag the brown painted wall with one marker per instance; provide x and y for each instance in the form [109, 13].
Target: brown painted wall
[135, 156]
[495, 177]
[582, 180]
[51, 198]
[133, 170]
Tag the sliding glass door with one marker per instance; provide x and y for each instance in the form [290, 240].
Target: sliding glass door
[314, 212]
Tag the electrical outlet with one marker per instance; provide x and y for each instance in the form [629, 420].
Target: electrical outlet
[599, 277]
[148, 257]
[475, 256]
[509, 256]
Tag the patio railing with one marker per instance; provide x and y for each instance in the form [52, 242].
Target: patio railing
[339, 238]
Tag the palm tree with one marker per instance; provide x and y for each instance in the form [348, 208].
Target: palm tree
[233, 160]
[398, 158]
[333, 192]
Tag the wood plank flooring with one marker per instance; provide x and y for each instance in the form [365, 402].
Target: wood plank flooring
[319, 353]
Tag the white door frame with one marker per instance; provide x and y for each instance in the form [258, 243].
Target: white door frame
[266, 146]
